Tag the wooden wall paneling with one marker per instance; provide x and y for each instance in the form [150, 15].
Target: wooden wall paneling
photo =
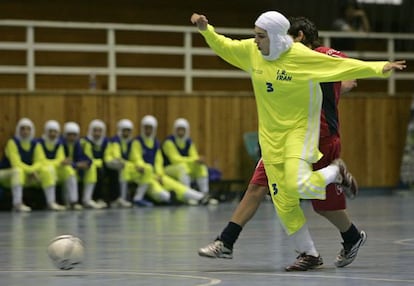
[120, 107]
[9, 116]
[40, 108]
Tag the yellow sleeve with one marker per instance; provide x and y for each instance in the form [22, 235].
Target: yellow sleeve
[323, 68]
[87, 149]
[39, 154]
[235, 52]
[159, 163]
[108, 156]
[173, 155]
[12, 153]
[193, 153]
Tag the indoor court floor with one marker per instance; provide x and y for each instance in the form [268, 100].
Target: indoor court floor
[159, 247]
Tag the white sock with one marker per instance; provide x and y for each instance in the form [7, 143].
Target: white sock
[140, 192]
[17, 195]
[123, 188]
[203, 184]
[186, 180]
[191, 194]
[303, 241]
[50, 195]
[72, 189]
[87, 192]
[164, 196]
[330, 173]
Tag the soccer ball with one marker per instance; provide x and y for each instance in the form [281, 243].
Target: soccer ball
[65, 251]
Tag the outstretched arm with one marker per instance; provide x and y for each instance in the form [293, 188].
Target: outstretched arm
[235, 52]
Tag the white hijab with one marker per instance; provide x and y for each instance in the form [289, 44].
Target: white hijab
[51, 125]
[276, 26]
[183, 123]
[28, 123]
[149, 120]
[125, 124]
[96, 123]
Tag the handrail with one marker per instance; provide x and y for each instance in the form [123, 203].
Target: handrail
[187, 49]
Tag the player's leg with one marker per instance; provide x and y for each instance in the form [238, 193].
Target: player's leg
[14, 178]
[288, 182]
[200, 173]
[126, 175]
[90, 179]
[144, 180]
[257, 189]
[179, 172]
[183, 193]
[158, 193]
[68, 175]
[48, 178]
[333, 208]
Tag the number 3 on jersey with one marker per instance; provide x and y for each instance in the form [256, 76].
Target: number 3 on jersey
[274, 188]
[269, 87]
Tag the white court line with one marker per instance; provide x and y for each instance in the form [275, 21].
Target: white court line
[210, 281]
[406, 241]
[316, 276]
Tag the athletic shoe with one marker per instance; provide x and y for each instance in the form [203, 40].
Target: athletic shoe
[349, 184]
[76, 207]
[91, 205]
[56, 207]
[22, 208]
[346, 257]
[208, 200]
[123, 203]
[305, 262]
[102, 204]
[216, 249]
[143, 203]
[191, 202]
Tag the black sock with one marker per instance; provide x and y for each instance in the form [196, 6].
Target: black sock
[230, 234]
[351, 236]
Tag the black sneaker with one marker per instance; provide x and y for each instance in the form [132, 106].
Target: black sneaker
[348, 182]
[305, 262]
[216, 249]
[347, 256]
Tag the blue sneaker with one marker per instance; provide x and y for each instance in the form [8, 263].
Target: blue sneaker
[143, 203]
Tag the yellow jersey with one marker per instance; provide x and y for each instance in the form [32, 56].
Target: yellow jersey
[287, 91]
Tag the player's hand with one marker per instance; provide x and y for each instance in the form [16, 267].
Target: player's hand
[200, 160]
[140, 170]
[200, 20]
[34, 177]
[66, 162]
[159, 179]
[82, 165]
[397, 65]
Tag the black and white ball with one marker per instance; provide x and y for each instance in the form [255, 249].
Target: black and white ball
[66, 251]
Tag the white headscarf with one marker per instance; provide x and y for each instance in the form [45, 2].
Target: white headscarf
[28, 123]
[71, 127]
[96, 123]
[51, 125]
[124, 124]
[149, 120]
[183, 123]
[276, 26]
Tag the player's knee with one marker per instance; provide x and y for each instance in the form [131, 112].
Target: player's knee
[257, 190]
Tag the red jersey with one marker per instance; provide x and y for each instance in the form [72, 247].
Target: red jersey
[331, 92]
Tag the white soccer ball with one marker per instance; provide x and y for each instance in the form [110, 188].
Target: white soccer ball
[65, 251]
